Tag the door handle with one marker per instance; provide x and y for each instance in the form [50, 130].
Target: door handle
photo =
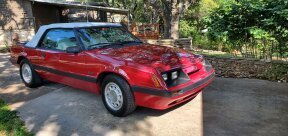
[43, 54]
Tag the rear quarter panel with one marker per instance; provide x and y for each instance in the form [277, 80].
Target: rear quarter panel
[17, 50]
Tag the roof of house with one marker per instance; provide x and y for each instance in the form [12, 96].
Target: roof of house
[34, 41]
[78, 24]
[84, 6]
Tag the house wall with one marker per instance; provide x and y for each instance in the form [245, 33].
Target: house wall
[45, 14]
[79, 15]
[15, 17]
[23, 17]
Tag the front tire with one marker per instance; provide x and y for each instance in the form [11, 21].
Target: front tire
[28, 75]
[117, 96]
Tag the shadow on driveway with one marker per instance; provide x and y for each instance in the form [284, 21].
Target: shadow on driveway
[245, 107]
[13, 91]
[227, 107]
[69, 111]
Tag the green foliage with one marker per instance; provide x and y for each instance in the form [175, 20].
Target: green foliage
[192, 23]
[249, 22]
[142, 13]
[187, 30]
[6, 48]
[216, 54]
[10, 124]
[199, 39]
[197, 13]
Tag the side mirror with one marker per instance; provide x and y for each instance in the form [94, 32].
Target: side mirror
[73, 49]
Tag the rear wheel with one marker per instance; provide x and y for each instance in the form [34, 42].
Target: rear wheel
[117, 96]
[28, 75]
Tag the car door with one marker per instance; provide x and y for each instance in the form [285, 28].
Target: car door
[71, 66]
[72, 63]
[56, 64]
[47, 56]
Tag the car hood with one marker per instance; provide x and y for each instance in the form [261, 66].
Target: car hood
[159, 57]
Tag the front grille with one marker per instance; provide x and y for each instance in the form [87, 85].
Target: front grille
[185, 98]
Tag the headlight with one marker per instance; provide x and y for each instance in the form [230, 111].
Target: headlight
[165, 76]
[170, 75]
[174, 75]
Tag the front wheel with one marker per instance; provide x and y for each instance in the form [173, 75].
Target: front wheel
[117, 96]
[28, 75]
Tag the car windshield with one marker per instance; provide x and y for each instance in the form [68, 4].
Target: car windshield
[98, 37]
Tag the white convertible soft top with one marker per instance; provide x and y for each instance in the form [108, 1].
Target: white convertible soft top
[34, 41]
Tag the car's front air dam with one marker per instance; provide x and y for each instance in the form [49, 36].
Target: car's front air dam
[162, 102]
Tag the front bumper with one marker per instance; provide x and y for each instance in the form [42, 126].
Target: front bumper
[163, 99]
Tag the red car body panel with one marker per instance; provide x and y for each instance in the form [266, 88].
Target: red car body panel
[140, 65]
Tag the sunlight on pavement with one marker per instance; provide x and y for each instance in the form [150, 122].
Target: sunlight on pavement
[185, 120]
[15, 106]
[15, 89]
[50, 127]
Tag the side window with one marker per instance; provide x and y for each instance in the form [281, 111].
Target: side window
[59, 39]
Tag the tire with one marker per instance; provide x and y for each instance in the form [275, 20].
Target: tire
[128, 101]
[35, 79]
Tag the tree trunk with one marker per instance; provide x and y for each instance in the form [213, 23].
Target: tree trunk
[175, 25]
[124, 4]
[167, 27]
[175, 17]
[166, 15]
[170, 12]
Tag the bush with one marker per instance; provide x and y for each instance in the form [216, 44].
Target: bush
[278, 71]
[199, 39]
[6, 48]
[186, 30]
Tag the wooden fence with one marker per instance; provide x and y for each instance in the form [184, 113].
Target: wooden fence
[184, 43]
[145, 31]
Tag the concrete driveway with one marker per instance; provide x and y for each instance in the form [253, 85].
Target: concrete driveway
[227, 107]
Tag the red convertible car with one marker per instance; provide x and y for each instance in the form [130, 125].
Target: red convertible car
[106, 59]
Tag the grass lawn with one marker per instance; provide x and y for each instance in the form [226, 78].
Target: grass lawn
[212, 53]
[216, 54]
[10, 124]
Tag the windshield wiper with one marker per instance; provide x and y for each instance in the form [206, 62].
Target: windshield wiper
[99, 45]
[125, 42]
